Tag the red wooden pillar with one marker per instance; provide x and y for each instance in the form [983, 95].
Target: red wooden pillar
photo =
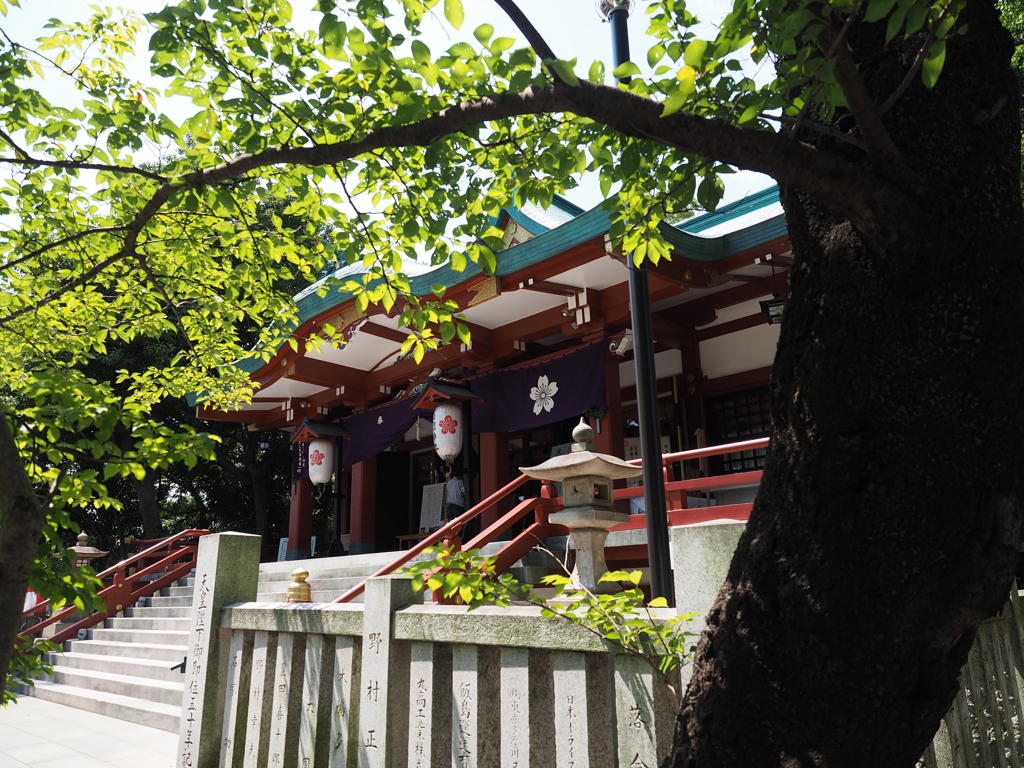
[300, 519]
[363, 507]
[608, 433]
[494, 472]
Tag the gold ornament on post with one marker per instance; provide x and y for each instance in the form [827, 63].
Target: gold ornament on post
[299, 591]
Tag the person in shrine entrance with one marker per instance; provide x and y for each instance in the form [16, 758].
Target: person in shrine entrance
[456, 493]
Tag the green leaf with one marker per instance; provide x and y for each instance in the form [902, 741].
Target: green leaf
[563, 69]
[501, 44]
[675, 102]
[625, 69]
[879, 9]
[931, 67]
[454, 13]
[694, 53]
[483, 33]
[895, 23]
[420, 52]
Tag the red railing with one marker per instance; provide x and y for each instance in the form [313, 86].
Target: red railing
[522, 544]
[676, 491]
[173, 564]
[540, 529]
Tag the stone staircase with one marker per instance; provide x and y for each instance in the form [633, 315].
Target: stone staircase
[329, 577]
[124, 669]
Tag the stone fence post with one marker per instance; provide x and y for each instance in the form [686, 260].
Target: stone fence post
[227, 571]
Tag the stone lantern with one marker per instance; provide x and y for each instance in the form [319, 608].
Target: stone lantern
[83, 552]
[586, 479]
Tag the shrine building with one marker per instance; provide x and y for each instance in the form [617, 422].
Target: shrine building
[551, 342]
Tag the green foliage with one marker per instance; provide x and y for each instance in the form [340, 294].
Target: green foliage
[31, 661]
[623, 619]
[127, 225]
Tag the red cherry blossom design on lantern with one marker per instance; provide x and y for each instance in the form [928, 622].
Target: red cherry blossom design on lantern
[316, 458]
[448, 425]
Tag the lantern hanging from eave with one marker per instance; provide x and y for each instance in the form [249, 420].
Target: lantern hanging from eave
[448, 429]
[321, 460]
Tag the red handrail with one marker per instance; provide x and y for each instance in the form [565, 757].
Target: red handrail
[513, 551]
[449, 529]
[711, 450]
[120, 592]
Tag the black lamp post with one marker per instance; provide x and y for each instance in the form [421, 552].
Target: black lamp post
[616, 12]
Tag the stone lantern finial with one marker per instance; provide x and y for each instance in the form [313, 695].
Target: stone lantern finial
[583, 433]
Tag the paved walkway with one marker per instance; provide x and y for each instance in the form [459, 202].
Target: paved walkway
[40, 734]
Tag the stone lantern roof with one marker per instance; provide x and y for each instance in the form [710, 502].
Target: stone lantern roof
[582, 461]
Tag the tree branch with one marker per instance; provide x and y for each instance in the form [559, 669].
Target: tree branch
[854, 192]
[33, 162]
[879, 144]
[835, 134]
[57, 243]
[533, 37]
[918, 61]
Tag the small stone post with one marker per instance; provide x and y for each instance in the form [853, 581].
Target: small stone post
[227, 571]
[701, 555]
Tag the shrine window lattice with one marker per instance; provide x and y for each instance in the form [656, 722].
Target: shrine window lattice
[734, 418]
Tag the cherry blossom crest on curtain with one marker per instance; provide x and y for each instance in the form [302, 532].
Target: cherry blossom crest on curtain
[535, 395]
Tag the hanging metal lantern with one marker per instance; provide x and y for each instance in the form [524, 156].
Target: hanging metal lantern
[321, 460]
[448, 430]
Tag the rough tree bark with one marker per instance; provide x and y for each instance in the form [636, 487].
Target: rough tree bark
[21, 521]
[889, 516]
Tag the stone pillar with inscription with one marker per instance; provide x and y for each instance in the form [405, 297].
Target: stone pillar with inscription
[227, 571]
[476, 711]
[430, 705]
[645, 713]
[384, 684]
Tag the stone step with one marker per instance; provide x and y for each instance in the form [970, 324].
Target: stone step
[177, 592]
[170, 602]
[163, 716]
[317, 597]
[149, 669]
[149, 622]
[173, 612]
[147, 651]
[359, 565]
[147, 689]
[157, 636]
[322, 585]
[285, 577]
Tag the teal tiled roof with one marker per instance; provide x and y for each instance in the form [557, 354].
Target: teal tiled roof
[585, 226]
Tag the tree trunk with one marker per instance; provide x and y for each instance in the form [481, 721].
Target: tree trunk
[21, 523]
[889, 516]
[149, 504]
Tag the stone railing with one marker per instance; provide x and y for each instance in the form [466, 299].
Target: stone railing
[393, 682]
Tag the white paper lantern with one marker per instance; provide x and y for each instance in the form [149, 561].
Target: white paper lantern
[448, 430]
[321, 460]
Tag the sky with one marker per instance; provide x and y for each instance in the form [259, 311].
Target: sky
[572, 28]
